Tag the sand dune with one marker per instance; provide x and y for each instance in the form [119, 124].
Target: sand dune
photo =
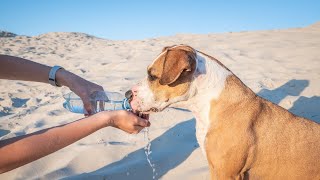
[280, 65]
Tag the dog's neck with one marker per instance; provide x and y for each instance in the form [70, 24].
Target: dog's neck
[212, 82]
[209, 81]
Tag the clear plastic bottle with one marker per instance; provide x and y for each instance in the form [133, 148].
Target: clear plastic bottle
[101, 101]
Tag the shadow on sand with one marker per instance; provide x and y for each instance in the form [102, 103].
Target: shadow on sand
[176, 145]
[303, 106]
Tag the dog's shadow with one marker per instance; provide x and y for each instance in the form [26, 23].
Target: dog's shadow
[169, 150]
[303, 106]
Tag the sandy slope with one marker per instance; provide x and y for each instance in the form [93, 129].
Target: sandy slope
[280, 65]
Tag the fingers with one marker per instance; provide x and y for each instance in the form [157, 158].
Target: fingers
[101, 105]
[143, 122]
[85, 90]
[89, 108]
[141, 119]
[138, 123]
[127, 121]
[137, 129]
[96, 102]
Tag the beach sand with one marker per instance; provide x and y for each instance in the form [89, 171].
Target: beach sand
[280, 65]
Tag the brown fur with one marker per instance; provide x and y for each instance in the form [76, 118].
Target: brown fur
[174, 78]
[254, 138]
[249, 137]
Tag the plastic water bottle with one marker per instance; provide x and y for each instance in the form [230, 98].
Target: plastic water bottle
[100, 100]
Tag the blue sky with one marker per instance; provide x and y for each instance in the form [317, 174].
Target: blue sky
[139, 19]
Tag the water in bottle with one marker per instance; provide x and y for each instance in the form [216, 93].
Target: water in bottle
[100, 100]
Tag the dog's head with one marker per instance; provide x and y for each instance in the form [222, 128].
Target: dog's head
[169, 80]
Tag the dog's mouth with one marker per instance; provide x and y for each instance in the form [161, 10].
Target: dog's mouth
[147, 112]
[143, 115]
[153, 110]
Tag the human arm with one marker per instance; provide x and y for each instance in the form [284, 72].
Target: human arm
[18, 151]
[15, 68]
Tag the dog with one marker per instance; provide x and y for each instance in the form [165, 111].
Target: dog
[242, 135]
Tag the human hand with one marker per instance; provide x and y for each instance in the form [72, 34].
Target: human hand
[125, 120]
[81, 87]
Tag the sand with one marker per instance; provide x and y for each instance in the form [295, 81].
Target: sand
[280, 65]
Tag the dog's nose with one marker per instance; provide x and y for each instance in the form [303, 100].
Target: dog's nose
[128, 94]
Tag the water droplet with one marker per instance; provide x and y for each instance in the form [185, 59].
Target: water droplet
[148, 151]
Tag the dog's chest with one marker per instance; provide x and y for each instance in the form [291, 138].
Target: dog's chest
[202, 126]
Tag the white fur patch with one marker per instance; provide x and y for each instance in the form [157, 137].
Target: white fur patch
[209, 82]
[145, 96]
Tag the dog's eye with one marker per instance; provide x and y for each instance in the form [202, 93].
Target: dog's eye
[151, 77]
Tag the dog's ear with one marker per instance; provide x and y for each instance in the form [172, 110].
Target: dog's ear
[176, 62]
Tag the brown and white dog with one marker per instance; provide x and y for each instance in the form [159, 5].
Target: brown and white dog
[242, 135]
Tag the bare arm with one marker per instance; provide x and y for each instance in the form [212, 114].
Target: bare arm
[18, 151]
[15, 68]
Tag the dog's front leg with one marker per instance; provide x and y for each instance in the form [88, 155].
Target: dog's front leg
[228, 156]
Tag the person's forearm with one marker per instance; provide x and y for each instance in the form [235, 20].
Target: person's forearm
[15, 68]
[21, 150]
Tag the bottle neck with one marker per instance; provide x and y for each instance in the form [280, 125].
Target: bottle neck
[126, 104]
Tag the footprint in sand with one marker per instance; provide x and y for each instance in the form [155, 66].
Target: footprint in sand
[55, 112]
[4, 132]
[19, 102]
[267, 83]
[5, 111]
[40, 123]
[22, 84]
[83, 71]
